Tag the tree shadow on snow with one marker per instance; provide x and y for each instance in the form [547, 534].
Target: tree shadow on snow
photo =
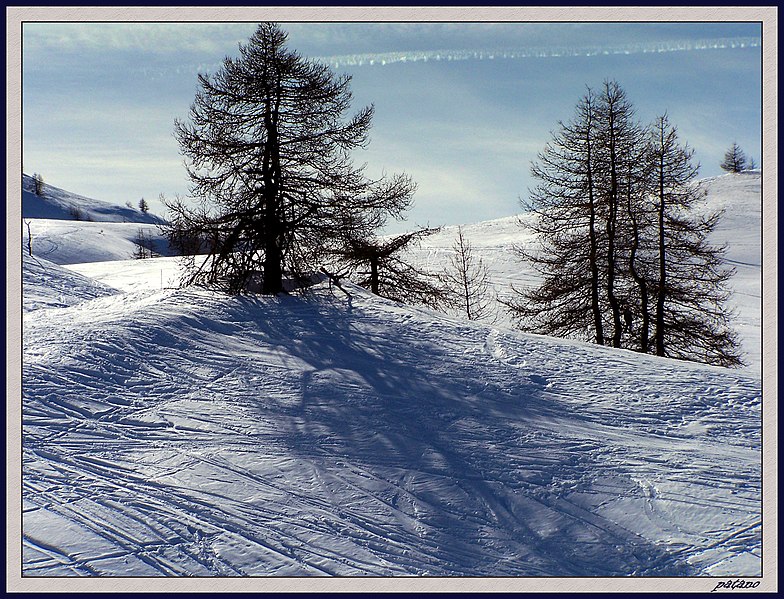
[458, 461]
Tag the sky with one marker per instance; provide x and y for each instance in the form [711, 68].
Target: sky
[463, 108]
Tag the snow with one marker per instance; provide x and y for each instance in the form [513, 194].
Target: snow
[49, 286]
[77, 242]
[181, 432]
[102, 231]
[56, 203]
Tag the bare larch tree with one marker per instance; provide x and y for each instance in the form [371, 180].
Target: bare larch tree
[468, 281]
[268, 154]
[566, 220]
[382, 266]
[691, 319]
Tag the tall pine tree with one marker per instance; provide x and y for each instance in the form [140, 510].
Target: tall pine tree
[566, 220]
[691, 320]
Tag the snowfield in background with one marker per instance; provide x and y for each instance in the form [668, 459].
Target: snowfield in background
[73, 242]
[172, 432]
[59, 204]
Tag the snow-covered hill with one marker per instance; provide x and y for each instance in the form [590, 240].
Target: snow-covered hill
[59, 204]
[182, 432]
[47, 286]
[66, 228]
[739, 195]
[78, 242]
[186, 433]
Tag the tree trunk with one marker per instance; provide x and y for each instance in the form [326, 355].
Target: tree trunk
[273, 270]
[273, 228]
[374, 274]
[661, 296]
[593, 248]
[641, 284]
[612, 221]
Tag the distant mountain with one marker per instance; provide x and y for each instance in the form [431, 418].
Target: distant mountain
[59, 204]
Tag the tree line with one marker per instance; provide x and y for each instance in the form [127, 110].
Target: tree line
[624, 248]
[624, 252]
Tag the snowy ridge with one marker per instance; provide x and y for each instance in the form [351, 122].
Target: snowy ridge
[76, 242]
[182, 432]
[56, 203]
[50, 286]
[66, 228]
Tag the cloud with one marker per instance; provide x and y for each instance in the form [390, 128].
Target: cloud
[386, 58]
[156, 38]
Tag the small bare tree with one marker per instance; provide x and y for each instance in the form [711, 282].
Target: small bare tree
[145, 248]
[734, 160]
[29, 238]
[468, 282]
[378, 265]
[76, 212]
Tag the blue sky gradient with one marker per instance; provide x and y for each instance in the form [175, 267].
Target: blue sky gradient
[100, 99]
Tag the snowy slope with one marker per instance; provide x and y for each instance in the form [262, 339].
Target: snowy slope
[66, 228]
[56, 203]
[182, 432]
[46, 285]
[76, 242]
[739, 195]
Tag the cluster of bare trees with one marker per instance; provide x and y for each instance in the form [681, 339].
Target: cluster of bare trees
[145, 246]
[624, 252]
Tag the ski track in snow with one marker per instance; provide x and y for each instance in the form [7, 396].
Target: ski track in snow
[186, 433]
